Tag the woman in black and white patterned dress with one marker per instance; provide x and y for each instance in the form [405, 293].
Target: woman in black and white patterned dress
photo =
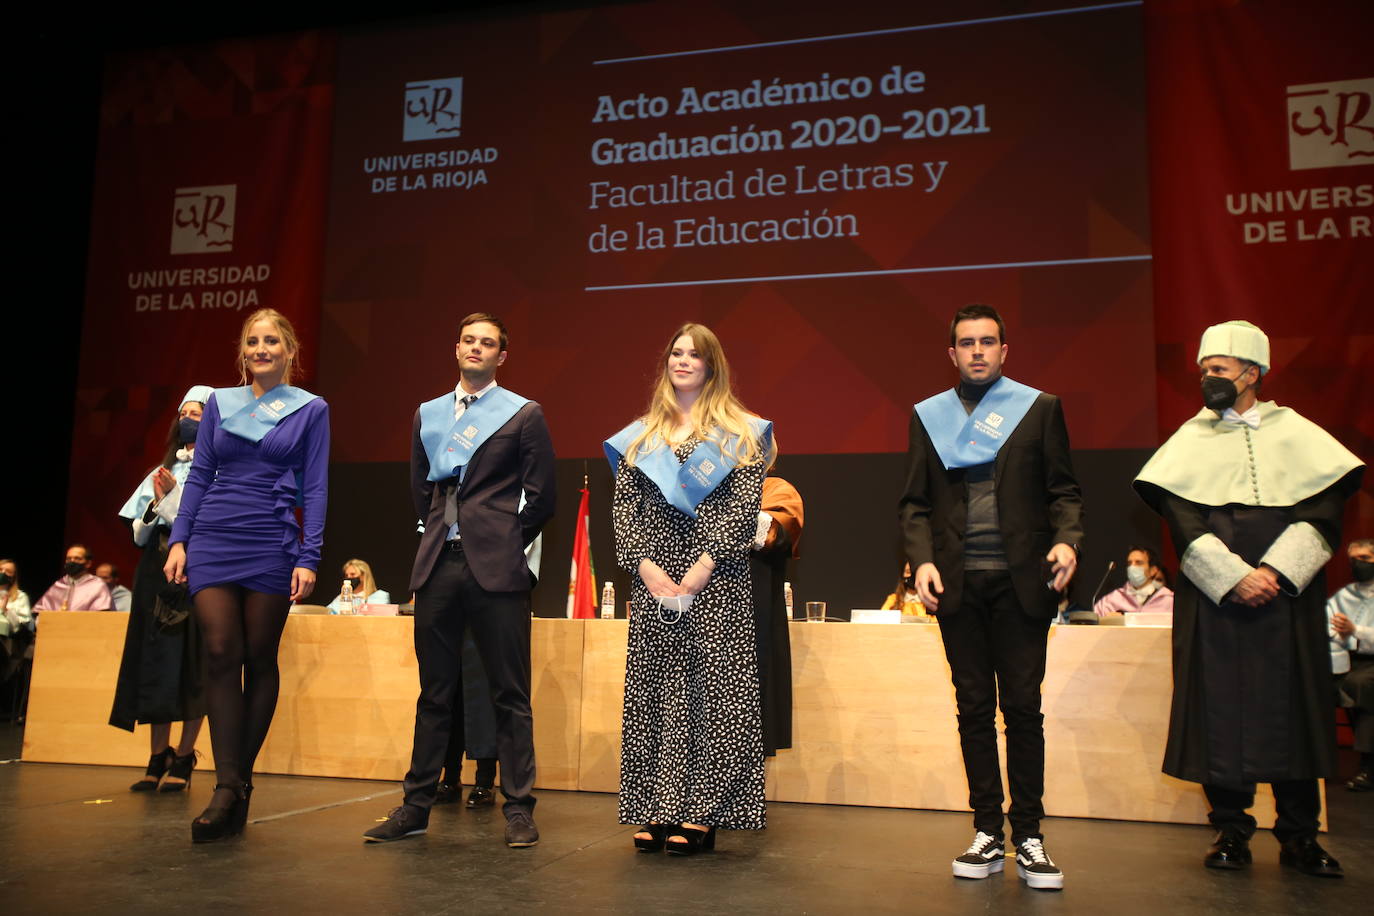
[689, 478]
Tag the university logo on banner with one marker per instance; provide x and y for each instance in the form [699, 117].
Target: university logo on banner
[1331, 124]
[433, 109]
[203, 219]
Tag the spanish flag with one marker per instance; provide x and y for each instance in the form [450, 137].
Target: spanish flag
[581, 576]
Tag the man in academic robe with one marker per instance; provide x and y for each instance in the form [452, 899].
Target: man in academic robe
[78, 589]
[1253, 495]
[776, 540]
[475, 450]
[992, 517]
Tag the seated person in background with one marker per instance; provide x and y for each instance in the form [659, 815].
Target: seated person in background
[1146, 588]
[1350, 620]
[16, 621]
[109, 574]
[905, 598]
[358, 574]
[77, 589]
[15, 613]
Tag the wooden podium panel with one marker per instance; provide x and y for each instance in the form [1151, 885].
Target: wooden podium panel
[604, 694]
[874, 720]
[346, 708]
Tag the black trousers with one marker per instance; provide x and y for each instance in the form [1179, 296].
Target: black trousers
[473, 731]
[500, 623]
[996, 653]
[1297, 802]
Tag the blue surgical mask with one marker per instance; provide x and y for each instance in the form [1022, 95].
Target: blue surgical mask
[187, 428]
[1136, 576]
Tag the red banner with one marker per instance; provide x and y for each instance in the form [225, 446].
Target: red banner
[209, 203]
[1262, 191]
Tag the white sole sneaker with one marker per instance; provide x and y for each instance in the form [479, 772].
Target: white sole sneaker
[1039, 881]
[969, 870]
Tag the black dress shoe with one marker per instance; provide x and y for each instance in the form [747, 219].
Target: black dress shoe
[1229, 851]
[1361, 783]
[520, 830]
[447, 794]
[481, 797]
[1307, 856]
[407, 820]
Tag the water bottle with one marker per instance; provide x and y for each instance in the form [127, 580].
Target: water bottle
[608, 601]
[346, 598]
[787, 598]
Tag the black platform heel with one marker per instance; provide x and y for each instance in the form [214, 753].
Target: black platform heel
[693, 841]
[219, 821]
[157, 767]
[657, 834]
[241, 812]
[180, 768]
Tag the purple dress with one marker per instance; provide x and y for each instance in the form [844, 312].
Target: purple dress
[238, 517]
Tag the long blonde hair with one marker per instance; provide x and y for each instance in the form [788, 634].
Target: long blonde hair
[369, 583]
[288, 337]
[717, 414]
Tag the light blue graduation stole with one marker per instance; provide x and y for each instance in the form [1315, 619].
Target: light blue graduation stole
[963, 439]
[450, 444]
[252, 418]
[684, 485]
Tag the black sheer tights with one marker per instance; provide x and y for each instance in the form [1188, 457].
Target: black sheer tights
[241, 630]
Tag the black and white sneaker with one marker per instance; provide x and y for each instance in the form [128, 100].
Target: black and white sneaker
[984, 857]
[1035, 866]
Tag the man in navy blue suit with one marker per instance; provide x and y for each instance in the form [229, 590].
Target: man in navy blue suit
[475, 452]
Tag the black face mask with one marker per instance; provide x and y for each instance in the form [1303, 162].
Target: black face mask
[1362, 570]
[5, 579]
[355, 581]
[74, 570]
[187, 427]
[1219, 392]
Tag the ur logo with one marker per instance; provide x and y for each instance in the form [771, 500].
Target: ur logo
[1331, 124]
[203, 219]
[706, 467]
[470, 432]
[433, 109]
[995, 420]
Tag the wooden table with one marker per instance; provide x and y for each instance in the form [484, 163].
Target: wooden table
[874, 719]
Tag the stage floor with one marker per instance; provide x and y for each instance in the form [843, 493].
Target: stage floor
[75, 840]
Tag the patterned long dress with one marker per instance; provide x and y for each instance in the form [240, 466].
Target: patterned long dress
[692, 738]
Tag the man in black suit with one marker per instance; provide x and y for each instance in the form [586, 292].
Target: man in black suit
[992, 517]
[475, 451]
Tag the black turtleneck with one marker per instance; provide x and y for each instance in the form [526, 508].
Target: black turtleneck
[970, 394]
[983, 547]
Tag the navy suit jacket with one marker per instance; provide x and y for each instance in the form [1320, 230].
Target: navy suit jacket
[516, 458]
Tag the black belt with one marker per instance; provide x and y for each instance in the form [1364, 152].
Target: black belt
[455, 544]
